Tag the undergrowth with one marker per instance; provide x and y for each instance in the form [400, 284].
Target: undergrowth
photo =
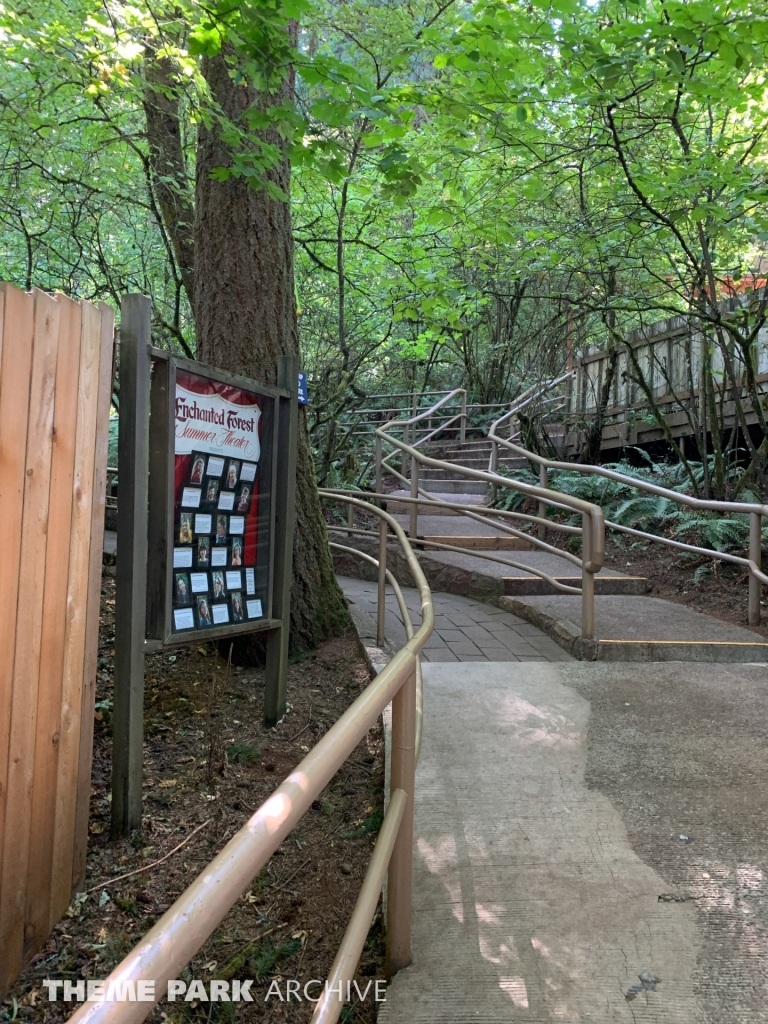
[627, 506]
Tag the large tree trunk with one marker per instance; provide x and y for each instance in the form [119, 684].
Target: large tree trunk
[167, 165]
[245, 315]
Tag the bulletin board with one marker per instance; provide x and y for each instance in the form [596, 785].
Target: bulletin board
[213, 464]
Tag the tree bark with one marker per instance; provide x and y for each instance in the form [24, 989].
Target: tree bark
[167, 163]
[245, 314]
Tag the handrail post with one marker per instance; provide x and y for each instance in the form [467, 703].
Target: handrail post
[755, 555]
[350, 518]
[414, 518]
[381, 607]
[403, 775]
[406, 439]
[463, 429]
[543, 482]
[587, 581]
[493, 467]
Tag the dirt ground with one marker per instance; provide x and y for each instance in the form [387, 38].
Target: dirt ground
[209, 763]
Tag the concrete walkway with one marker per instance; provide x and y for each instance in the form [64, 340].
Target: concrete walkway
[551, 879]
[591, 840]
[646, 619]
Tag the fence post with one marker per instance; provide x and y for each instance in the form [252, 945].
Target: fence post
[350, 518]
[543, 482]
[587, 581]
[463, 434]
[381, 607]
[755, 555]
[276, 669]
[131, 574]
[493, 467]
[400, 885]
[414, 520]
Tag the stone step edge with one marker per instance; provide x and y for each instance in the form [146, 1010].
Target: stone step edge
[477, 542]
[568, 635]
[606, 586]
[441, 576]
[564, 632]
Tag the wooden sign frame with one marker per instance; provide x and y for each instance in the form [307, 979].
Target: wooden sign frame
[145, 522]
[161, 500]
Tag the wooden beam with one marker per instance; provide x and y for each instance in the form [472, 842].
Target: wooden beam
[131, 590]
[276, 674]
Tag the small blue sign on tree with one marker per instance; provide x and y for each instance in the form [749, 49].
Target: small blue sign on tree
[303, 390]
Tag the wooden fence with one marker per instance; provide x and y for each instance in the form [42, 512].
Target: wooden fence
[55, 383]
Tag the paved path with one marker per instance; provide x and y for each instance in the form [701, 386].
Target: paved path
[550, 876]
[465, 630]
[619, 617]
[581, 827]
[625, 617]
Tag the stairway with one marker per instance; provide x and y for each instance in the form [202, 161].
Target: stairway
[474, 454]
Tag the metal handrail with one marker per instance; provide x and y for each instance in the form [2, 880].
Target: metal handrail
[480, 512]
[428, 412]
[755, 511]
[406, 623]
[529, 396]
[181, 931]
[408, 394]
[593, 526]
[465, 551]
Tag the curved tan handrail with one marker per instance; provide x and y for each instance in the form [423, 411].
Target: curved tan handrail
[528, 397]
[593, 562]
[755, 510]
[166, 949]
[427, 412]
[593, 526]
[483, 513]
[406, 623]
[736, 507]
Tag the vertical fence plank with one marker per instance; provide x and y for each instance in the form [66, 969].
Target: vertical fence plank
[18, 324]
[77, 599]
[99, 414]
[31, 585]
[17, 328]
[46, 754]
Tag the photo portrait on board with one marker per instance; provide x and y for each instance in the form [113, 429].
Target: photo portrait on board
[233, 471]
[219, 592]
[212, 492]
[185, 528]
[237, 551]
[237, 607]
[198, 468]
[203, 612]
[244, 498]
[182, 592]
[204, 552]
[221, 529]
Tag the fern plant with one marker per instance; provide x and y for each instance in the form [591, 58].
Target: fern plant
[627, 506]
